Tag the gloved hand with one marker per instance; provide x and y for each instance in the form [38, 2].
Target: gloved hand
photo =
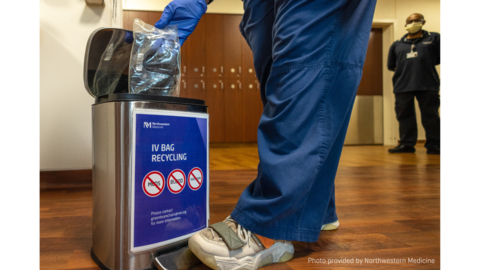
[183, 13]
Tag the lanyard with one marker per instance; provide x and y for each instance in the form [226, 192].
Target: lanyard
[412, 54]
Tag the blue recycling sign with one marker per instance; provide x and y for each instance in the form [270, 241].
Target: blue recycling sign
[169, 200]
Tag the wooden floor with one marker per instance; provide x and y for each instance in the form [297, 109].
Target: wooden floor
[388, 206]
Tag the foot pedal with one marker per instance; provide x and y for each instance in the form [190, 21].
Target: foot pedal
[180, 258]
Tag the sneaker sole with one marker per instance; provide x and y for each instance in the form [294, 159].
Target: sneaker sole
[330, 226]
[278, 253]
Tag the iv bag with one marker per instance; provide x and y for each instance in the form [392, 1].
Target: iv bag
[155, 60]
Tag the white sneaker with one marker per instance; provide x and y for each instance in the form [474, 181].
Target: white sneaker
[330, 226]
[227, 245]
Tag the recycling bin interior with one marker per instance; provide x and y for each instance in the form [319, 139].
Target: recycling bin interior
[150, 163]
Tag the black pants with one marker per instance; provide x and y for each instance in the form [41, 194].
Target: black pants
[429, 102]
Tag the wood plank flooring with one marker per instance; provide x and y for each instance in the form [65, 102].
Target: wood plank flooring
[388, 206]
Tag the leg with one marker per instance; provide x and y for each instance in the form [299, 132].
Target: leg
[258, 23]
[319, 194]
[331, 222]
[318, 53]
[429, 102]
[331, 214]
[256, 27]
[405, 110]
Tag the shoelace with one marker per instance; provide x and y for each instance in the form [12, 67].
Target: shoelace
[244, 234]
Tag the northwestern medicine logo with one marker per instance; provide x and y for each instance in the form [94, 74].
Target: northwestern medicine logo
[154, 125]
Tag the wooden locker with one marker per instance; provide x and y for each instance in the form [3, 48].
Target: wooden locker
[129, 16]
[153, 17]
[184, 59]
[183, 87]
[126, 19]
[196, 88]
[253, 108]
[214, 45]
[232, 50]
[195, 61]
[215, 101]
[234, 107]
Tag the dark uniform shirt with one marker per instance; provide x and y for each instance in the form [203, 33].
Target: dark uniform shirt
[415, 73]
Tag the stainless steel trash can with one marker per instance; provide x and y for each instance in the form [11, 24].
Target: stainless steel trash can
[150, 164]
[115, 138]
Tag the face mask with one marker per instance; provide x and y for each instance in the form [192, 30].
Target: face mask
[414, 27]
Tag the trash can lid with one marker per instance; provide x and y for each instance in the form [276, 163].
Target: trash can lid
[154, 98]
[107, 58]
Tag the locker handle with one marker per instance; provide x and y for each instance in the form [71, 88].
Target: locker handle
[203, 69]
[240, 70]
[203, 84]
[258, 84]
[221, 69]
[184, 84]
[221, 84]
[239, 85]
[184, 69]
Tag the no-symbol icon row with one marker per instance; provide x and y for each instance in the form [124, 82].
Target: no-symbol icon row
[154, 182]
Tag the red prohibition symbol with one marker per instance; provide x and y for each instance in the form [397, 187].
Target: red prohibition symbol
[195, 178]
[153, 184]
[176, 181]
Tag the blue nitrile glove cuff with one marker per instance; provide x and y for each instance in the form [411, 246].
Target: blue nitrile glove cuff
[185, 14]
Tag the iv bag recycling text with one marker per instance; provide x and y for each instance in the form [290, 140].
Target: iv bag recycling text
[166, 157]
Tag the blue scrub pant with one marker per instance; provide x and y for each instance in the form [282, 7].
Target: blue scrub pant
[308, 57]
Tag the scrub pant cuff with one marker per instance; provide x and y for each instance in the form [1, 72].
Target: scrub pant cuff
[330, 219]
[273, 232]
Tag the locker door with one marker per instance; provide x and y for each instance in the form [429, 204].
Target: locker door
[216, 109]
[234, 107]
[195, 62]
[253, 108]
[248, 71]
[196, 88]
[232, 42]
[184, 59]
[183, 87]
[214, 45]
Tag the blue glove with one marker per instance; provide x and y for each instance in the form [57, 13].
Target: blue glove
[183, 13]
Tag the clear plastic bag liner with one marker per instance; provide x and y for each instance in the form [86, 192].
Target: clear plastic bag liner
[155, 60]
[113, 64]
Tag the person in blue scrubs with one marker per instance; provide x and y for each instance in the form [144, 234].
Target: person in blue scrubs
[308, 57]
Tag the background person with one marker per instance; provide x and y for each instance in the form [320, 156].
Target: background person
[413, 59]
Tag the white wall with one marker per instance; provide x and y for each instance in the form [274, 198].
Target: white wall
[65, 106]
[219, 6]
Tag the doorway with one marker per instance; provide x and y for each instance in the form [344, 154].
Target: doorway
[366, 123]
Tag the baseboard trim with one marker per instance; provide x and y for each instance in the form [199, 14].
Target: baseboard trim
[51, 180]
[418, 142]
